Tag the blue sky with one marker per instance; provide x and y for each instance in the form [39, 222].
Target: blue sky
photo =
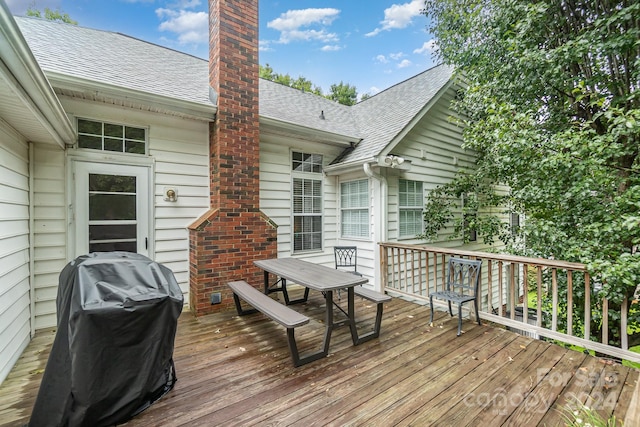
[371, 44]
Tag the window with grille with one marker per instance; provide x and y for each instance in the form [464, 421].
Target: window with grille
[410, 204]
[111, 137]
[354, 208]
[307, 201]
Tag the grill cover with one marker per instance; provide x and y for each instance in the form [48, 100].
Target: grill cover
[112, 355]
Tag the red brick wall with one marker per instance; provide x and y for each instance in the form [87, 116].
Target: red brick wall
[227, 239]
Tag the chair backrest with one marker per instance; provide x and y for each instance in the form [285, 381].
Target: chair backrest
[346, 257]
[463, 276]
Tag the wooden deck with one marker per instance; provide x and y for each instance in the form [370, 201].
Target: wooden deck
[237, 371]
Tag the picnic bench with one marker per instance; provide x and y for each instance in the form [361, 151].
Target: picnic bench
[379, 299]
[271, 308]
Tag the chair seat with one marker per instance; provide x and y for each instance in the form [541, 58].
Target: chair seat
[453, 296]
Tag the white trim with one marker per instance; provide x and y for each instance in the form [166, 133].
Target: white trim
[190, 109]
[27, 80]
[145, 190]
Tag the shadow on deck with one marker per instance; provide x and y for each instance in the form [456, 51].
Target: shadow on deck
[237, 371]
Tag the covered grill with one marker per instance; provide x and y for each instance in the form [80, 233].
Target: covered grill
[112, 354]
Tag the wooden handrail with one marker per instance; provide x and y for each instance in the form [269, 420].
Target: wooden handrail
[413, 271]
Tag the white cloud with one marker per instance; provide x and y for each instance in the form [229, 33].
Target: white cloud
[330, 48]
[404, 63]
[398, 16]
[293, 23]
[191, 27]
[382, 59]
[396, 56]
[264, 46]
[427, 47]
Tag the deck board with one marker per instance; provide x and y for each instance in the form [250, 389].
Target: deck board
[237, 371]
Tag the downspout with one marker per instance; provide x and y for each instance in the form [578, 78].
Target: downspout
[32, 249]
[380, 230]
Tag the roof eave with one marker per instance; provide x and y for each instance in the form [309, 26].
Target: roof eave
[313, 134]
[29, 82]
[416, 119]
[190, 109]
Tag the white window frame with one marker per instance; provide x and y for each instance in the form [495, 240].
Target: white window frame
[410, 202]
[306, 173]
[104, 138]
[354, 209]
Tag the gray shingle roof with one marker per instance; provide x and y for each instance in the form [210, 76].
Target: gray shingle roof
[383, 116]
[115, 59]
[126, 62]
[304, 109]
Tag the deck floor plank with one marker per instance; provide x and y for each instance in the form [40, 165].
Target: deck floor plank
[237, 371]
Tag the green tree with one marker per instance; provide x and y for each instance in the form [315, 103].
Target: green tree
[50, 15]
[343, 93]
[301, 83]
[552, 110]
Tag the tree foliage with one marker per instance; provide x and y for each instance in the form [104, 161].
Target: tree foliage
[301, 83]
[342, 93]
[552, 110]
[50, 15]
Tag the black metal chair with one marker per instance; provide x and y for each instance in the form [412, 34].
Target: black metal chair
[463, 281]
[346, 259]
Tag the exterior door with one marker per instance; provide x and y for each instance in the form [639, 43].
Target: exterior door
[111, 209]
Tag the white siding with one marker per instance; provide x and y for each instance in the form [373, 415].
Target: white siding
[50, 231]
[14, 249]
[439, 138]
[275, 192]
[178, 152]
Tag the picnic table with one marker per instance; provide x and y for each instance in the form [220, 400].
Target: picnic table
[325, 280]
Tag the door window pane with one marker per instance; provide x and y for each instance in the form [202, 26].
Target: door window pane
[112, 213]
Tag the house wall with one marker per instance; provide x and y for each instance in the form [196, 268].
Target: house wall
[439, 138]
[178, 149]
[275, 192]
[14, 248]
[366, 246]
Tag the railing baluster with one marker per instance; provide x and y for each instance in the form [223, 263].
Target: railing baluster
[512, 291]
[539, 295]
[569, 302]
[525, 293]
[587, 307]
[554, 310]
[500, 290]
[489, 286]
[605, 321]
[624, 341]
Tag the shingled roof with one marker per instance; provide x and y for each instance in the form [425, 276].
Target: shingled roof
[118, 60]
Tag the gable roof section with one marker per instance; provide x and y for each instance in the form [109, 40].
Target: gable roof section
[384, 118]
[111, 62]
[291, 106]
[27, 101]
[85, 62]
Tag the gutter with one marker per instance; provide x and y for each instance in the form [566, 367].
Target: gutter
[380, 231]
[196, 110]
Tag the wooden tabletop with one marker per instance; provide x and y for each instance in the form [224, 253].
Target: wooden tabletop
[314, 276]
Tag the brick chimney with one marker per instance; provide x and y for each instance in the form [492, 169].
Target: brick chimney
[225, 241]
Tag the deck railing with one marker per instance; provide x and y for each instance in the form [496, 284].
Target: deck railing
[511, 294]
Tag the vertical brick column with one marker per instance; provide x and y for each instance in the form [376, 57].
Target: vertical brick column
[225, 241]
